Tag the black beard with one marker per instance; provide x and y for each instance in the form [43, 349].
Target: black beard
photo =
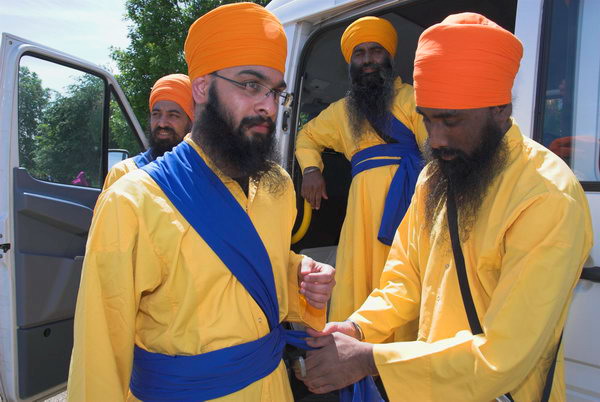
[469, 177]
[161, 145]
[370, 97]
[235, 154]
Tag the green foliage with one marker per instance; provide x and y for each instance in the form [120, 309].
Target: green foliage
[157, 32]
[33, 99]
[69, 139]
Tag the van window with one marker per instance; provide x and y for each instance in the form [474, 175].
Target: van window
[569, 86]
[60, 119]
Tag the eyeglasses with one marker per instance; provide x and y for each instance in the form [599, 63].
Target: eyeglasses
[256, 90]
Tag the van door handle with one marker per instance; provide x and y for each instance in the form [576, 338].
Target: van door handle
[591, 274]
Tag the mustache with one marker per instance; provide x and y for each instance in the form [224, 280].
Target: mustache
[251, 121]
[448, 152]
[167, 129]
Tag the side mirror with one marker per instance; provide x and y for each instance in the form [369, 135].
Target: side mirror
[115, 156]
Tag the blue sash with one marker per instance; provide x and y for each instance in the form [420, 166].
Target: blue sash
[406, 154]
[215, 214]
[143, 158]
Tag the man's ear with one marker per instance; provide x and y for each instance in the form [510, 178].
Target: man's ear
[501, 114]
[200, 87]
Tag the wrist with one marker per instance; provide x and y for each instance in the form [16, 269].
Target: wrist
[369, 360]
[311, 169]
[358, 334]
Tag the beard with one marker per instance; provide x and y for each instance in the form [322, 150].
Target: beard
[232, 151]
[370, 97]
[161, 145]
[468, 176]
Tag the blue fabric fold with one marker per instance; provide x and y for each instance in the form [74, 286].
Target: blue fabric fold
[144, 158]
[406, 154]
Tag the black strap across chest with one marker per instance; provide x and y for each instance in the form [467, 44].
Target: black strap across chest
[465, 290]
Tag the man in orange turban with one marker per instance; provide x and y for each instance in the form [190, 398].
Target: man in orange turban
[188, 273]
[489, 251]
[171, 116]
[378, 129]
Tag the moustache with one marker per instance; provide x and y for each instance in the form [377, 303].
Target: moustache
[169, 130]
[248, 122]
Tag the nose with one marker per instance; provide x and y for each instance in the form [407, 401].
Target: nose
[437, 135]
[266, 106]
[164, 121]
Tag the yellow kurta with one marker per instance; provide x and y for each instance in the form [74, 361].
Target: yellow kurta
[150, 279]
[360, 255]
[523, 258]
[119, 170]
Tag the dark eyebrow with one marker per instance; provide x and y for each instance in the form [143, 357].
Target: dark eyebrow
[155, 109]
[262, 77]
[443, 114]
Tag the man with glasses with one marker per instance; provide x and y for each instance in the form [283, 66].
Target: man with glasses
[378, 129]
[188, 272]
[171, 117]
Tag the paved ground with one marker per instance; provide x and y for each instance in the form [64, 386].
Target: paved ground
[62, 397]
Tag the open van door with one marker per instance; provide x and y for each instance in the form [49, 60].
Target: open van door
[59, 116]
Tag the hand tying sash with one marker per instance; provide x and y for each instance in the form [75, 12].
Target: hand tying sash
[406, 154]
[143, 158]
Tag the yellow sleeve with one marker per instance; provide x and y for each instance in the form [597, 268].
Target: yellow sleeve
[324, 131]
[117, 171]
[298, 309]
[396, 301]
[109, 294]
[538, 273]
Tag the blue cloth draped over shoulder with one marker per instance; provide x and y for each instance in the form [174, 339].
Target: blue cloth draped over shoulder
[144, 158]
[215, 214]
[406, 154]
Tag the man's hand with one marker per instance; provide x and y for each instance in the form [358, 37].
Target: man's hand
[345, 327]
[316, 281]
[341, 361]
[313, 187]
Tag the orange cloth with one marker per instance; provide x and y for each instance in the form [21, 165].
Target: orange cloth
[465, 62]
[369, 29]
[176, 88]
[233, 35]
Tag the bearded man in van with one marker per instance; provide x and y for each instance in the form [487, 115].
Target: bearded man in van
[378, 129]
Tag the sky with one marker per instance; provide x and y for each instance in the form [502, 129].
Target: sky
[82, 28]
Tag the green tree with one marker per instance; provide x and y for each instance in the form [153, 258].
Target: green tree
[157, 33]
[33, 99]
[69, 139]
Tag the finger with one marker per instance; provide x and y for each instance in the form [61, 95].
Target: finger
[324, 192]
[318, 199]
[322, 389]
[325, 276]
[314, 333]
[316, 288]
[319, 342]
[315, 297]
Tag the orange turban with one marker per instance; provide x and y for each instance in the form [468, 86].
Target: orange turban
[465, 62]
[369, 29]
[176, 88]
[233, 35]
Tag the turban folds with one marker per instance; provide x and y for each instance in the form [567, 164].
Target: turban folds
[176, 88]
[465, 62]
[369, 29]
[233, 35]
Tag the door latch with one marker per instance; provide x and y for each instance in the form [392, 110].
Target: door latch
[5, 247]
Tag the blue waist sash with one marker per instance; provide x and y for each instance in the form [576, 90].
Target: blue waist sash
[143, 158]
[406, 154]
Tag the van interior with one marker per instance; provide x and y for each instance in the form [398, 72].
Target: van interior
[323, 79]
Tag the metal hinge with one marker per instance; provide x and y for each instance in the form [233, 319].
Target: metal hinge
[5, 247]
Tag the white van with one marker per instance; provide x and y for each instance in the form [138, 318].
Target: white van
[47, 198]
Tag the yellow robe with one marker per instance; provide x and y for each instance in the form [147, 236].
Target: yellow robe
[523, 256]
[360, 255]
[150, 279]
[119, 170]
